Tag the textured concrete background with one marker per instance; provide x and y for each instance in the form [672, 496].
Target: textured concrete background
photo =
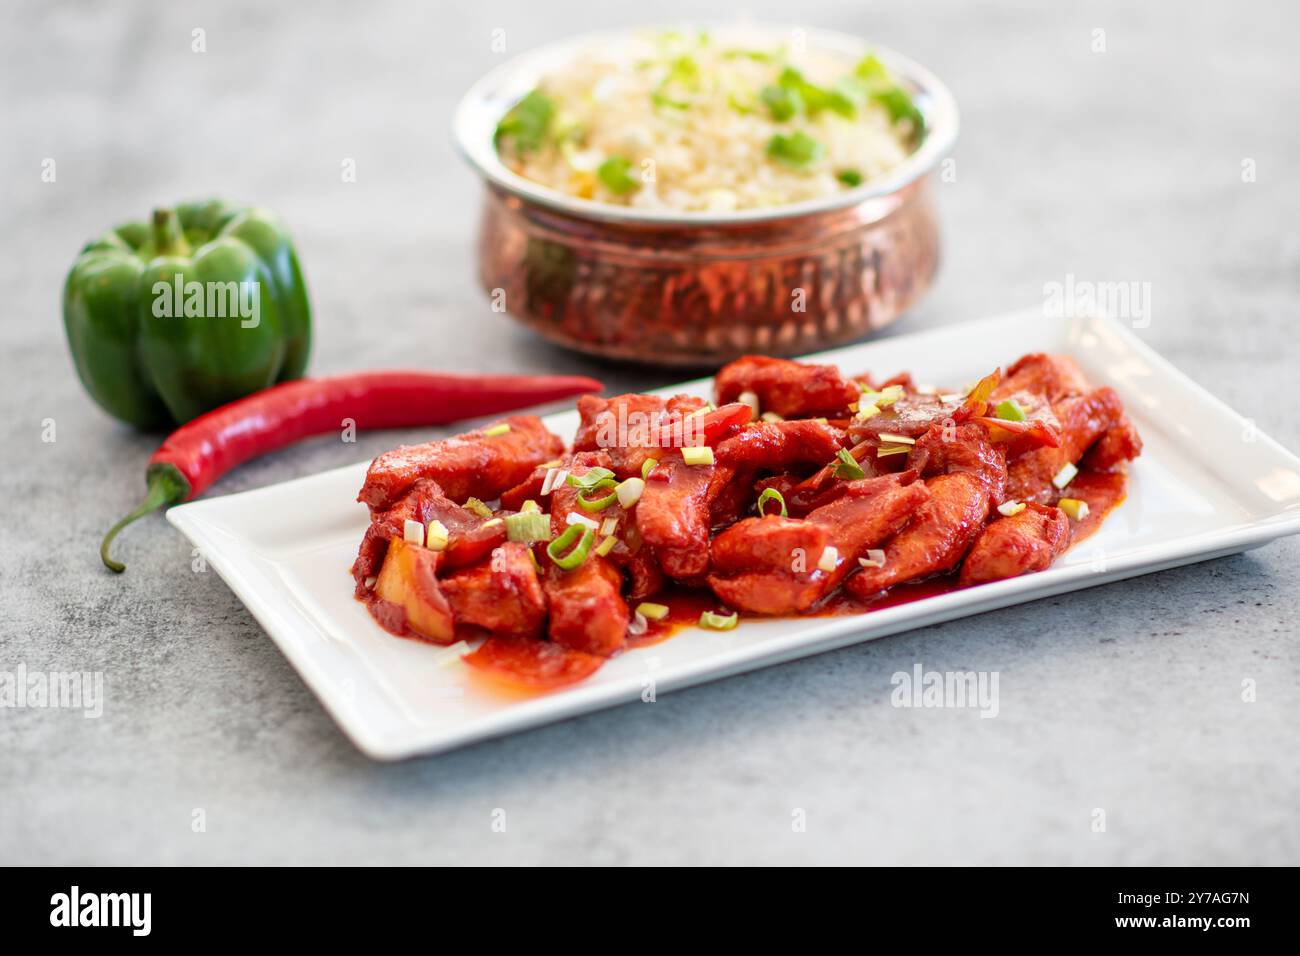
[1122, 165]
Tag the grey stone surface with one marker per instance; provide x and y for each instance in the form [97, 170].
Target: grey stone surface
[1122, 165]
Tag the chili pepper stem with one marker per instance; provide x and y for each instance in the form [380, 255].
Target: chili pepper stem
[168, 237]
[166, 486]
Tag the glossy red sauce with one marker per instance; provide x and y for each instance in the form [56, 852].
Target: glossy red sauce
[1104, 491]
[526, 666]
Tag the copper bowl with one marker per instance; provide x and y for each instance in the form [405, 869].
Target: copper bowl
[678, 288]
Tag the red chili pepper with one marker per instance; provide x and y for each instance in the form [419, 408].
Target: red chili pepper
[201, 451]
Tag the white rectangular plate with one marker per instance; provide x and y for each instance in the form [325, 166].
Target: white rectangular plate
[285, 550]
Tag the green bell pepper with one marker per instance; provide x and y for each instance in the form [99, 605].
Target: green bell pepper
[202, 306]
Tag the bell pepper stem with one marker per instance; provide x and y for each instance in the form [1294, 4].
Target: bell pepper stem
[168, 237]
[165, 486]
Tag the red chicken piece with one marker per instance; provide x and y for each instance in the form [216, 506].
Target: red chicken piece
[770, 565]
[471, 537]
[1120, 444]
[776, 446]
[936, 538]
[1054, 377]
[673, 515]
[790, 389]
[1084, 419]
[502, 594]
[912, 416]
[966, 449]
[1022, 543]
[464, 465]
[624, 427]
[588, 612]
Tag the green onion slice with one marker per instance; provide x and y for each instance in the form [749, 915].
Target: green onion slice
[719, 622]
[1010, 411]
[616, 174]
[771, 494]
[648, 466]
[1064, 477]
[797, 150]
[591, 479]
[652, 611]
[478, 507]
[784, 102]
[527, 122]
[582, 535]
[592, 505]
[528, 526]
[848, 467]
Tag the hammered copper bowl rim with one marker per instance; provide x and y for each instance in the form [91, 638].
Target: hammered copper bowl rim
[487, 101]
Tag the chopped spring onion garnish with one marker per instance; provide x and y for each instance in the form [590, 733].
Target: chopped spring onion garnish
[615, 173]
[491, 524]
[648, 466]
[797, 150]
[771, 494]
[528, 526]
[496, 430]
[891, 439]
[771, 417]
[848, 467]
[784, 103]
[1064, 477]
[849, 177]
[652, 611]
[598, 504]
[875, 558]
[702, 410]
[527, 122]
[606, 546]
[574, 518]
[476, 506]
[750, 399]
[1010, 411]
[867, 410]
[829, 560]
[698, 455]
[1009, 508]
[886, 396]
[553, 463]
[884, 451]
[555, 476]
[529, 505]
[438, 536]
[638, 625]
[719, 622]
[413, 531]
[591, 479]
[629, 491]
[821, 421]
[1076, 508]
[576, 537]
[608, 526]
